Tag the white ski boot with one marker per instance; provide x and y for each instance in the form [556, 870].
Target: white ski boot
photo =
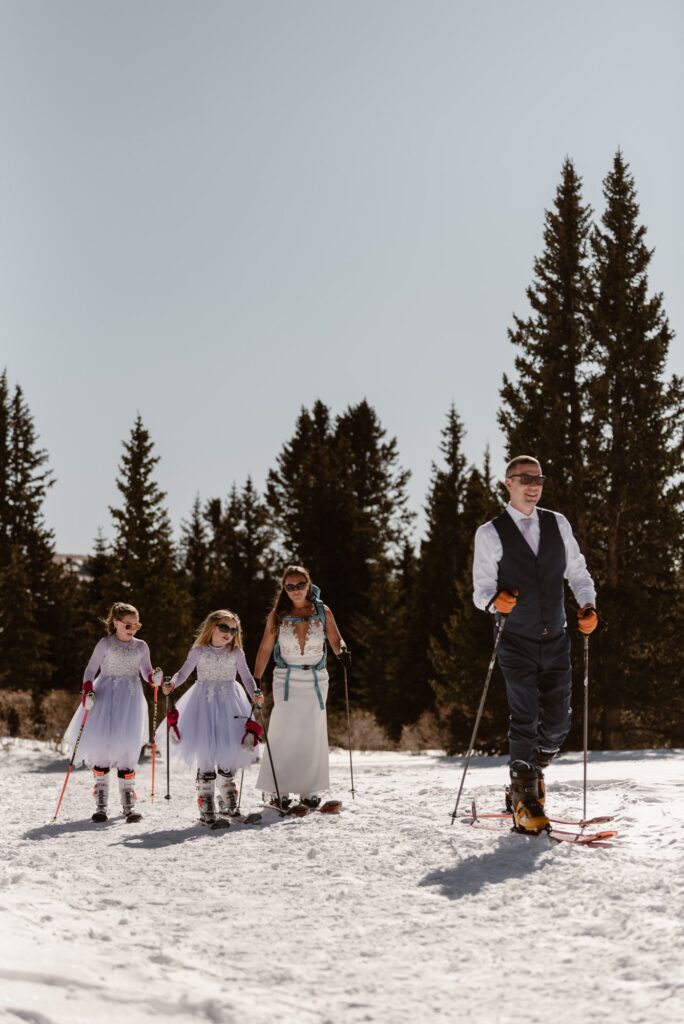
[101, 793]
[206, 801]
[227, 792]
[128, 794]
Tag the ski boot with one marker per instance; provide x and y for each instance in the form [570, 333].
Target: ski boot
[528, 813]
[101, 793]
[282, 805]
[128, 794]
[227, 793]
[542, 759]
[312, 802]
[206, 801]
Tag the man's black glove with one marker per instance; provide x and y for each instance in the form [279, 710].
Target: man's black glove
[345, 657]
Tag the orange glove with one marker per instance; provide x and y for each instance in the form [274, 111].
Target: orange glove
[505, 601]
[587, 619]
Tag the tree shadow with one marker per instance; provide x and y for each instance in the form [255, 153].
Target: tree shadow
[512, 857]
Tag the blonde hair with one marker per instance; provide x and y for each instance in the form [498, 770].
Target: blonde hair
[203, 635]
[520, 460]
[117, 611]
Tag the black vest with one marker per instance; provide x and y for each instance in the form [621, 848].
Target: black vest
[540, 610]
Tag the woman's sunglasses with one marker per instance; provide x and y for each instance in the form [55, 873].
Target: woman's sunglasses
[227, 629]
[291, 587]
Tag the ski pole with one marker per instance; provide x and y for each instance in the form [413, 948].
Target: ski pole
[154, 738]
[242, 776]
[585, 728]
[499, 631]
[168, 755]
[242, 773]
[349, 731]
[71, 762]
[270, 758]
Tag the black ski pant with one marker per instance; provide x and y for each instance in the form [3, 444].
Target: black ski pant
[538, 677]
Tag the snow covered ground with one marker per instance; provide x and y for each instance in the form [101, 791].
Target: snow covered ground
[386, 913]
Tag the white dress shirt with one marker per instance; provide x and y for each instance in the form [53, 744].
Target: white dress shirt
[488, 552]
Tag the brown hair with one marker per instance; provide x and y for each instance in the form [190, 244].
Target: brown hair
[117, 611]
[520, 460]
[203, 635]
[282, 604]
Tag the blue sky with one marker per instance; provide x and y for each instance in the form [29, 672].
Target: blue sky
[215, 213]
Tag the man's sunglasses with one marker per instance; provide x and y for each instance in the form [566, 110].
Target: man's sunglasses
[291, 587]
[528, 480]
[224, 628]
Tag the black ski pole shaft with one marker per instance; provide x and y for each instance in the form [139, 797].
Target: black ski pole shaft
[492, 660]
[168, 747]
[585, 725]
[270, 758]
[242, 777]
[242, 773]
[349, 731]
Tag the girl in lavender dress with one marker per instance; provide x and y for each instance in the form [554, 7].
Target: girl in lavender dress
[211, 716]
[117, 726]
[296, 633]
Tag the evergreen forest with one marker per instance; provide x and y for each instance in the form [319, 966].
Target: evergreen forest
[589, 396]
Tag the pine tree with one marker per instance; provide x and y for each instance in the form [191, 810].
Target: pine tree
[637, 448]
[338, 502]
[195, 560]
[543, 407]
[144, 557]
[445, 548]
[29, 581]
[460, 654]
[252, 564]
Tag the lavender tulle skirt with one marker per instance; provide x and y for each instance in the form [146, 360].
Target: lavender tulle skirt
[211, 723]
[117, 727]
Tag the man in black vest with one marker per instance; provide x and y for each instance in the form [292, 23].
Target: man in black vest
[521, 561]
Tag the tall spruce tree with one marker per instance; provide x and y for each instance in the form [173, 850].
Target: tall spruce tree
[636, 429]
[460, 651]
[144, 556]
[444, 550]
[29, 580]
[543, 406]
[338, 501]
[194, 547]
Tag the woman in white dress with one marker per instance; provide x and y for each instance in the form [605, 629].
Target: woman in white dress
[209, 720]
[117, 726]
[298, 629]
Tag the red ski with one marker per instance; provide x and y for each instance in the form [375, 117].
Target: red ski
[506, 816]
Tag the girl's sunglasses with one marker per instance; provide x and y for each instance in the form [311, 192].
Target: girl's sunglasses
[129, 625]
[291, 587]
[224, 628]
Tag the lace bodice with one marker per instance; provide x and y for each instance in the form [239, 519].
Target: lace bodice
[117, 659]
[314, 643]
[216, 666]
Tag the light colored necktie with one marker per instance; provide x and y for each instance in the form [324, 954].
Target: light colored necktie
[526, 530]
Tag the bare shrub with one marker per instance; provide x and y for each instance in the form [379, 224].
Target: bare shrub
[58, 707]
[365, 731]
[16, 713]
[428, 733]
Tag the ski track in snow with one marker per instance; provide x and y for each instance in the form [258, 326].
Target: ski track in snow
[386, 913]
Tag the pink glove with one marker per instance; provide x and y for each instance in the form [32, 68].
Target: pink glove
[254, 735]
[172, 721]
[87, 689]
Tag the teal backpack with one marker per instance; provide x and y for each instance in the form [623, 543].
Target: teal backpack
[281, 663]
